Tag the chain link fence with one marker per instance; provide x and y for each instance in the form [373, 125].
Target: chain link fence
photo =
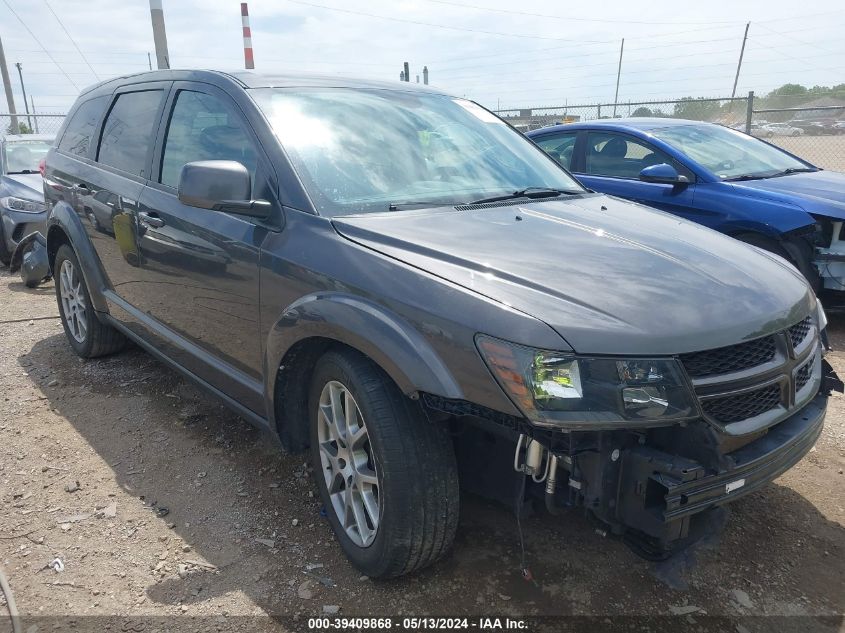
[31, 123]
[813, 129]
[725, 110]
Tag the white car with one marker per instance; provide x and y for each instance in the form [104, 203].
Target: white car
[783, 129]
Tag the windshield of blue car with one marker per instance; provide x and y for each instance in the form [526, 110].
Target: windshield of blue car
[729, 154]
[360, 151]
[22, 157]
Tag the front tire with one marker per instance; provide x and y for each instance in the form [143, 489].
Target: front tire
[801, 258]
[5, 255]
[386, 474]
[87, 336]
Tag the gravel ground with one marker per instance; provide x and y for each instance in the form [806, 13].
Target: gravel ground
[160, 502]
[827, 152]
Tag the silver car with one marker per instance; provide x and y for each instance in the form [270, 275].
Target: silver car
[22, 209]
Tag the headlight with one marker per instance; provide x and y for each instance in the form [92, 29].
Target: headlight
[19, 204]
[562, 390]
[821, 317]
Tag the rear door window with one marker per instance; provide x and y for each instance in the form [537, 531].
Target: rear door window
[129, 131]
[203, 127]
[77, 136]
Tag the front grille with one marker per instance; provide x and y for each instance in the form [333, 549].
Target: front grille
[743, 406]
[755, 379]
[803, 375]
[725, 360]
[799, 331]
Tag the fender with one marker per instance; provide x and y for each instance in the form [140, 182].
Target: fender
[389, 340]
[767, 215]
[62, 216]
[776, 231]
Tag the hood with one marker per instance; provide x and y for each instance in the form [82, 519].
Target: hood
[26, 186]
[609, 276]
[817, 192]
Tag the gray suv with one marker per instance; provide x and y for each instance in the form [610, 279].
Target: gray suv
[399, 281]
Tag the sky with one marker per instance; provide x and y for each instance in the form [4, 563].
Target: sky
[503, 54]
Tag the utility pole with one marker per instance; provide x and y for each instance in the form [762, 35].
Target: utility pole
[32, 102]
[618, 75]
[149, 61]
[7, 85]
[23, 90]
[159, 34]
[739, 64]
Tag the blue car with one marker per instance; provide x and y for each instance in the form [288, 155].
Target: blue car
[718, 177]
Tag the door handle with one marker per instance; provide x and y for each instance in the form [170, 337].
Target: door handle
[151, 219]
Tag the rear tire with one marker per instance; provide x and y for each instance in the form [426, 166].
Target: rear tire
[402, 475]
[87, 336]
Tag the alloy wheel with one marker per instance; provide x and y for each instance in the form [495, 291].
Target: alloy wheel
[73, 301]
[349, 469]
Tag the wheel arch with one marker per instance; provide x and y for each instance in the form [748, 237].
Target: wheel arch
[313, 325]
[65, 227]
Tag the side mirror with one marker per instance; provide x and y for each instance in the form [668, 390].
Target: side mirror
[662, 173]
[220, 185]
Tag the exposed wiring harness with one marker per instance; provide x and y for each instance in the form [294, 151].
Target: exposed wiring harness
[10, 603]
[829, 276]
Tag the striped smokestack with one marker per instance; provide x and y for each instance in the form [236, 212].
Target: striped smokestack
[249, 61]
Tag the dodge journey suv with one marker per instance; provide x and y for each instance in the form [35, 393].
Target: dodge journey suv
[398, 281]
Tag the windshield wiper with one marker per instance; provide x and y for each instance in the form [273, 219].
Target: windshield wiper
[795, 170]
[25, 171]
[395, 206]
[771, 174]
[530, 192]
[747, 177]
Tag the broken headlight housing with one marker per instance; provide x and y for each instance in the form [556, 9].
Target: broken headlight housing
[563, 390]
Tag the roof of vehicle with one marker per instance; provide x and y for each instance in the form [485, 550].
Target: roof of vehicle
[260, 80]
[11, 138]
[621, 125]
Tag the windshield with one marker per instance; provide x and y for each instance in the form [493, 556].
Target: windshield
[728, 153]
[22, 157]
[363, 151]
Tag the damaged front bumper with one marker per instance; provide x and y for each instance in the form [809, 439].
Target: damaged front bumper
[649, 487]
[660, 492]
[31, 259]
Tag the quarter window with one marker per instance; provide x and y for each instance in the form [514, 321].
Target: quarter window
[621, 156]
[129, 131]
[203, 127]
[77, 136]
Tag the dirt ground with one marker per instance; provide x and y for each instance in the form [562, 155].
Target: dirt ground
[183, 510]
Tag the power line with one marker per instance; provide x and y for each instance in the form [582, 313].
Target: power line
[437, 26]
[562, 17]
[628, 85]
[72, 41]
[37, 41]
[570, 18]
[804, 42]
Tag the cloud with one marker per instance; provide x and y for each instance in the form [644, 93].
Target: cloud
[543, 61]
